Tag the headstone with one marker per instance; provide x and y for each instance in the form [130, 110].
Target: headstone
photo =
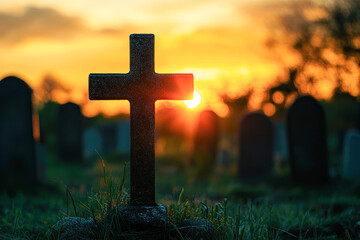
[307, 141]
[256, 139]
[142, 87]
[70, 133]
[93, 142]
[17, 146]
[280, 142]
[225, 158]
[357, 121]
[41, 161]
[341, 139]
[48, 120]
[123, 137]
[351, 151]
[109, 133]
[225, 150]
[41, 152]
[206, 142]
[42, 130]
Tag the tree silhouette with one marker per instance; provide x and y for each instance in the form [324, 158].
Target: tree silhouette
[326, 40]
[47, 89]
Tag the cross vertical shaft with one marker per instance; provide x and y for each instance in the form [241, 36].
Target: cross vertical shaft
[142, 127]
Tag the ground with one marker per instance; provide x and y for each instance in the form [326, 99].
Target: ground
[273, 209]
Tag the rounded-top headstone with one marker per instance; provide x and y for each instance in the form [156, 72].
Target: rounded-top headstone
[16, 84]
[206, 143]
[256, 139]
[307, 141]
[17, 147]
[70, 133]
[207, 129]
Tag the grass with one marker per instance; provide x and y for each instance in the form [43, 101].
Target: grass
[274, 210]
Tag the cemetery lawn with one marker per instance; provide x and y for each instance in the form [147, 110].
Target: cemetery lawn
[275, 210]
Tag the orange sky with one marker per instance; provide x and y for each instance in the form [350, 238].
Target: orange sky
[220, 42]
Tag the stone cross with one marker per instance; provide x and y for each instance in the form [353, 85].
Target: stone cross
[141, 86]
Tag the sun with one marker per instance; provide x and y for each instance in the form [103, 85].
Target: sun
[194, 102]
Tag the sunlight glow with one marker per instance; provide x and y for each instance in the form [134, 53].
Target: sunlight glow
[278, 97]
[194, 102]
[269, 109]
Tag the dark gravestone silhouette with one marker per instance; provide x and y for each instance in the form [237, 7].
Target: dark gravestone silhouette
[351, 151]
[357, 123]
[40, 149]
[206, 142]
[93, 142]
[17, 146]
[42, 130]
[225, 158]
[123, 137]
[256, 140]
[142, 87]
[280, 142]
[307, 141]
[70, 133]
[41, 155]
[108, 132]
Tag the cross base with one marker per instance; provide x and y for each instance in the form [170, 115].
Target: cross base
[144, 219]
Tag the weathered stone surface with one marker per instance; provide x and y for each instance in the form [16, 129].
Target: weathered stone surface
[136, 222]
[143, 217]
[17, 145]
[256, 141]
[307, 141]
[141, 87]
[75, 228]
[197, 229]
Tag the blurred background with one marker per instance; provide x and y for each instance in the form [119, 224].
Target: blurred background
[252, 141]
[246, 56]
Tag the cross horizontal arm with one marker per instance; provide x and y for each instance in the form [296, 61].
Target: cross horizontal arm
[174, 86]
[110, 87]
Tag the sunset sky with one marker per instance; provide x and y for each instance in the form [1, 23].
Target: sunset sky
[221, 42]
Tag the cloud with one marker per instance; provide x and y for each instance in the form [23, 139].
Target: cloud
[38, 23]
[277, 12]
